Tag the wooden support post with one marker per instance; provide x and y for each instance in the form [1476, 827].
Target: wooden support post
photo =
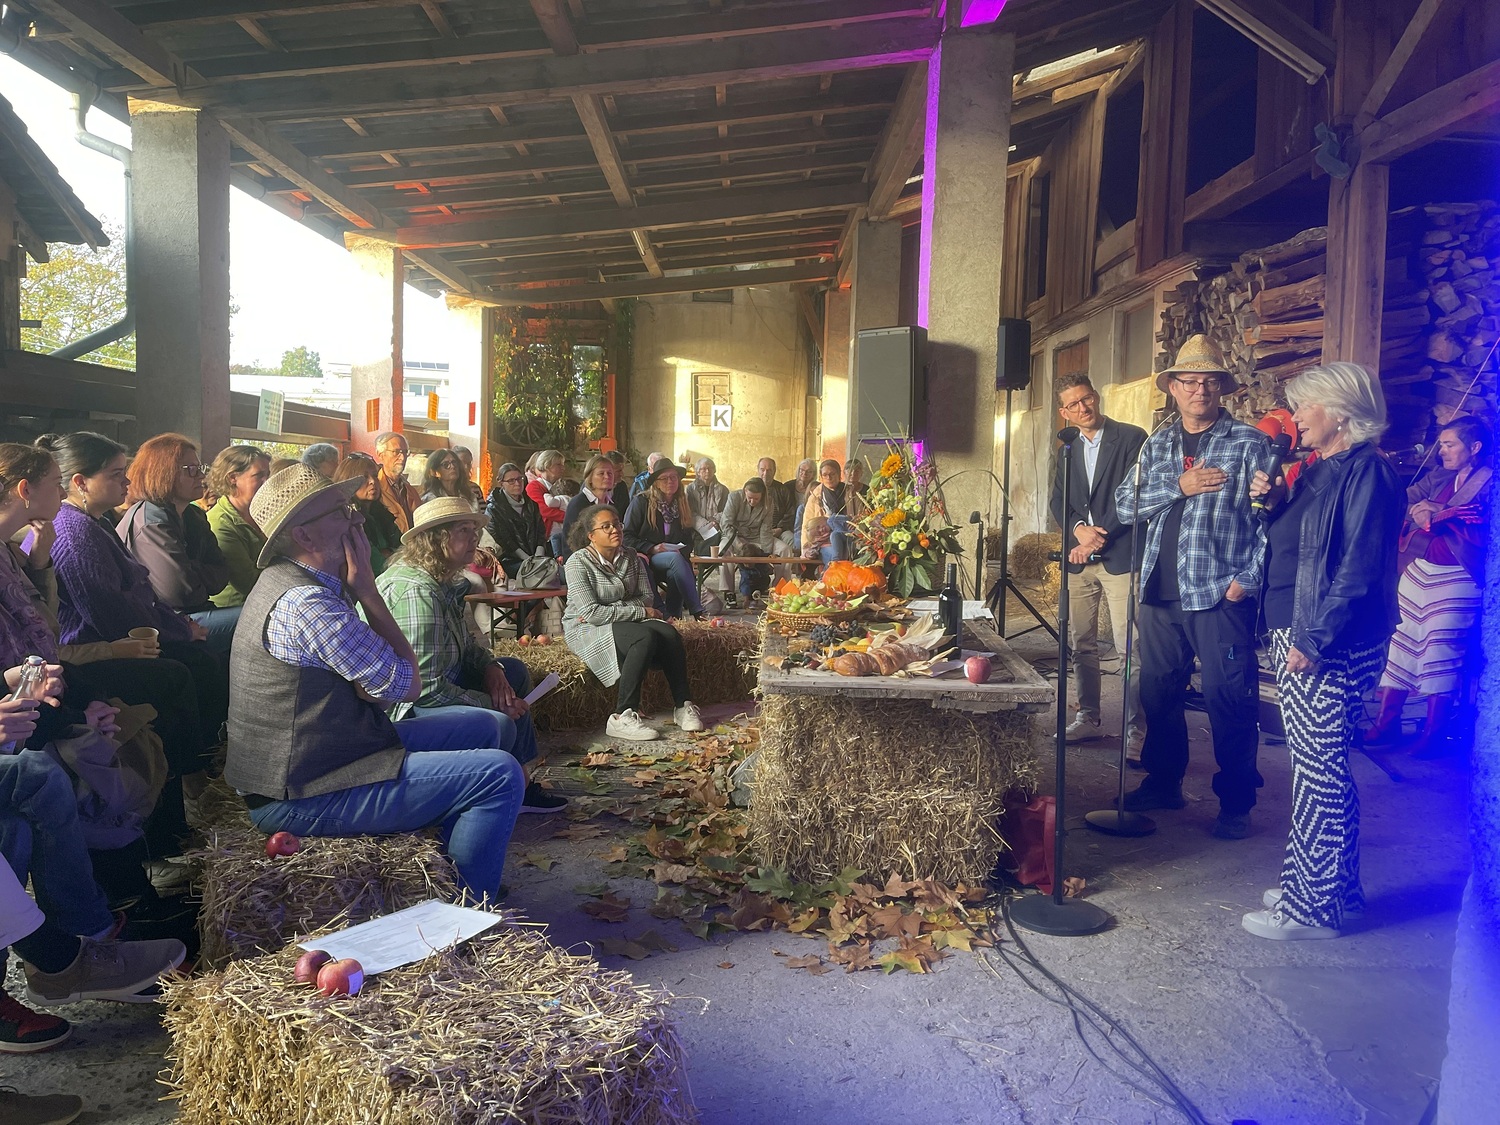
[1357, 210]
[1163, 179]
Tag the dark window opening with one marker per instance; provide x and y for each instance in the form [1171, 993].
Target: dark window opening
[1038, 214]
[1120, 165]
[1221, 129]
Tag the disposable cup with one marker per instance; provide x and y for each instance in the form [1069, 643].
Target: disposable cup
[150, 639]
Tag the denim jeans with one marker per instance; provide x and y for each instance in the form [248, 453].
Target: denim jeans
[220, 623]
[40, 838]
[459, 727]
[471, 796]
[674, 565]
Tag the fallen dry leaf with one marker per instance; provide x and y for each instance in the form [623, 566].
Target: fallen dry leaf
[599, 758]
[578, 832]
[1073, 886]
[608, 908]
[617, 854]
[537, 860]
[623, 947]
[672, 872]
[726, 964]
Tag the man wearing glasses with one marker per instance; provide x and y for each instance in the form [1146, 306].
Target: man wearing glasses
[1098, 545]
[310, 744]
[1200, 581]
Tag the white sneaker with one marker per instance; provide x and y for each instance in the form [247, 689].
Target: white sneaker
[1135, 740]
[1273, 896]
[687, 718]
[1277, 925]
[631, 727]
[1081, 729]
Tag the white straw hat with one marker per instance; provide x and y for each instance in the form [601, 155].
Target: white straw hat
[286, 494]
[438, 511]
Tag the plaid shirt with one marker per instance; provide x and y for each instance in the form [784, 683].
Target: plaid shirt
[1221, 539]
[317, 627]
[432, 618]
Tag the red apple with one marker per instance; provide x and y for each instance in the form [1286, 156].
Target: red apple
[523, 640]
[977, 669]
[309, 964]
[341, 978]
[282, 843]
[541, 639]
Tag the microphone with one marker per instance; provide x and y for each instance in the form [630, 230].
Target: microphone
[1281, 447]
[1068, 435]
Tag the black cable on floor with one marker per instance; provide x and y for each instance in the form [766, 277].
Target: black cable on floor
[1141, 1072]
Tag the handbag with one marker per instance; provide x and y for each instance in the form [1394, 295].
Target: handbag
[538, 573]
[116, 781]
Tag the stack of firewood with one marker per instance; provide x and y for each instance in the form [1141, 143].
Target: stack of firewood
[1440, 320]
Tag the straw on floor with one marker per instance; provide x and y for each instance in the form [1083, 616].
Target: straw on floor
[720, 670]
[505, 1028]
[254, 904]
[895, 785]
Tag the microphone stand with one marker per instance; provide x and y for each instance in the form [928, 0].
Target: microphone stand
[1055, 914]
[1119, 821]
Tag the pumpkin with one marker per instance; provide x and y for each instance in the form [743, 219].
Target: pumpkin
[836, 576]
[852, 580]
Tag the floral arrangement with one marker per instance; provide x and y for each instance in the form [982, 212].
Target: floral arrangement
[906, 530]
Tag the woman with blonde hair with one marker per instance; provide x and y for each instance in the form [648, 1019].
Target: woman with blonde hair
[549, 466]
[659, 524]
[235, 477]
[599, 480]
[1330, 606]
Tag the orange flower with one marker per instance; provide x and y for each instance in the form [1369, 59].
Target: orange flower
[924, 541]
[892, 558]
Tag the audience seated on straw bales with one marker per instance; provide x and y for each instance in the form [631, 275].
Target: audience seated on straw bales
[103, 593]
[706, 497]
[424, 588]
[638, 485]
[515, 519]
[748, 529]
[659, 524]
[599, 481]
[827, 511]
[323, 457]
[443, 475]
[235, 477]
[395, 492]
[310, 744]
[167, 534]
[609, 625]
[544, 488]
[380, 525]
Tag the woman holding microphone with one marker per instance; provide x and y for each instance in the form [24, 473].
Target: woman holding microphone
[1330, 606]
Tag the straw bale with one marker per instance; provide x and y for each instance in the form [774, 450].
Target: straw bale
[1028, 558]
[504, 1028]
[892, 785]
[254, 904]
[719, 671]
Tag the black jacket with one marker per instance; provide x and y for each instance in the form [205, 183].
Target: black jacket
[1345, 594]
[642, 535]
[1119, 447]
[518, 533]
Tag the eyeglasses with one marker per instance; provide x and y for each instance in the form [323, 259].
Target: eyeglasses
[1197, 385]
[611, 526]
[513, 480]
[193, 470]
[1086, 402]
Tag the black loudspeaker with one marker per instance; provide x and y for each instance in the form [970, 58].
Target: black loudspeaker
[1013, 356]
[891, 384]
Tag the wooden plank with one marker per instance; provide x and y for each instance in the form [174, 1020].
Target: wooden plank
[1163, 176]
[117, 39]
[1433, 115]
[1270, 25]
[436, 140]
[746, 19]
[1357, 209]
[763, 57]
[452, 276]
[35, 380]
[900, 144]
[1099, 64]
[464, 171]
[1400, 56]
[556, 222]
[695, 283]
[1239, 187]
[281, 155]
[556, 25]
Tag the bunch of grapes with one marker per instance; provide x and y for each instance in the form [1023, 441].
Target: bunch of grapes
[823, 635]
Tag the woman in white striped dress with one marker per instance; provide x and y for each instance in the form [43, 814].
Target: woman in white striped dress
[1442, 552]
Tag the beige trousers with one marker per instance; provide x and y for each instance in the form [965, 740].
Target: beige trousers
[1085, 592]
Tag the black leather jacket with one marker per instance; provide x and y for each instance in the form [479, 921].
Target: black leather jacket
[1345, 594]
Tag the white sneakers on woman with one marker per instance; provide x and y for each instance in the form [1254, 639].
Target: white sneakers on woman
[688, 718]
[631, 727]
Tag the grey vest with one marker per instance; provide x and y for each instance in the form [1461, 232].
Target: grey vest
[298, 732]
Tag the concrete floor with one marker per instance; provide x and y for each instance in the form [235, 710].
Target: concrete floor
[1302, 1033]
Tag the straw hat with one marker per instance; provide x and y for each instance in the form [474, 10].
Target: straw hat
[441, 510]
[279, 500]
[1198, 356]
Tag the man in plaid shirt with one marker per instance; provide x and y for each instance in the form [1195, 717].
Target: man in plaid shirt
[1200, 581]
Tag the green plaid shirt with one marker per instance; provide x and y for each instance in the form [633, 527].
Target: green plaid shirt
[431, 615]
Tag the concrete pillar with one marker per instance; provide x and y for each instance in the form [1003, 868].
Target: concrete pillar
[469, 377]
[180, 254]
[376, 378]
[834, 439]
[875, 295]
[965, 153]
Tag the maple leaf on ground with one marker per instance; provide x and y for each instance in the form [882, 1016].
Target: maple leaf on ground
[931, 894]
[841, 926]
[609, 907]
[901, 959]
[593, 890]
[891, 921]
[953, 939]
[598, 758]
[642, 778]
[855, 958]
[579, 832]
[865, 892]
[812, 963]
[672, 872]
[756, 912]
[617, 854]
[896, 887]
[772, 881]
[804, 921]
[726, 964]
[623, 947]
[535, 859]
[662, 846]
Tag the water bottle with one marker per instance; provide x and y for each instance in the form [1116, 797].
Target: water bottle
[33, 676]
[951, 607]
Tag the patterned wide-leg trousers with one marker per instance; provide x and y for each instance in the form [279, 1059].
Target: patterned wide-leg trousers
[1321, 710]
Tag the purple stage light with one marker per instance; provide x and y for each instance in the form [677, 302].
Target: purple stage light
[981, 12]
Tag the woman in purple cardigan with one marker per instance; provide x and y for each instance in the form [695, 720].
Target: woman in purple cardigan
[103, 593]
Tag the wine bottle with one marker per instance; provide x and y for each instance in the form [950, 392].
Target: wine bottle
[951, 607]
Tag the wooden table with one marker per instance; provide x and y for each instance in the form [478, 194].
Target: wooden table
[885, 774]
[515, 603]
[702, 564]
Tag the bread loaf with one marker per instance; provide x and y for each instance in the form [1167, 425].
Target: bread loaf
[856, 664]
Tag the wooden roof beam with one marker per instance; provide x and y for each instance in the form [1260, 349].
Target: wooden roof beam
[1395, 66]
[283, 157]
[900, 146]
[762, 57]
[718, 206]
[738, 279]
[1423, 120]
[1282, 33]
[105, 30]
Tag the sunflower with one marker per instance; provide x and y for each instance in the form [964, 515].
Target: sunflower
[891, 465]
[893, 518]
